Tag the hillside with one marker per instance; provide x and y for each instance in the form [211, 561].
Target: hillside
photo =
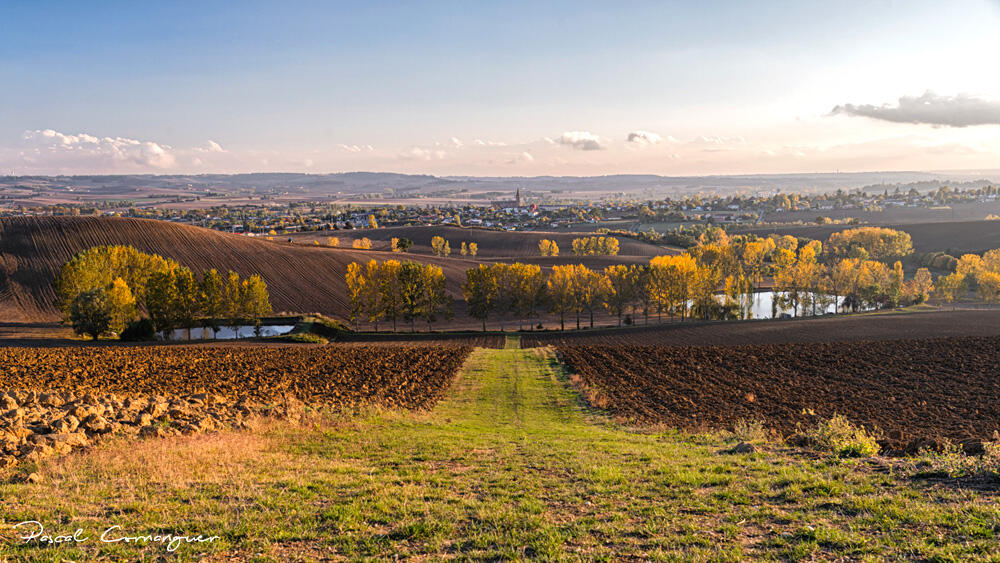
[492, 244]
[954, 237]
[301, 279]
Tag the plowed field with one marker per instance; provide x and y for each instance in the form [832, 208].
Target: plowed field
[392, 376]
[916, 391]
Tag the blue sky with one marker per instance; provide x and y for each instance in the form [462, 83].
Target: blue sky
[512, 88]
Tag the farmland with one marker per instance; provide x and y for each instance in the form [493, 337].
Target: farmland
[391, 376]
[509, 465]
[917, 391]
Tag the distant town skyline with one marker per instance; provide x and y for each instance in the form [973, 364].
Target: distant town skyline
[499, 89]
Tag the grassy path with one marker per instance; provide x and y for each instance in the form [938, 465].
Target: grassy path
[509, 466]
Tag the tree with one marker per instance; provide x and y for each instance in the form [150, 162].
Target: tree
[90, 313]
[363, 243]
[923, 285]
[621, 289]
[97, 267]
[465, 249]
[878, 242]
[372, 223]
[213, 299]
[480, 290]
[947, 287]
[234, 311]
[333, 242]
[161, 302]
[411, 291]
[186, 307]
[529, 290]
[254, 300]
[440, 246]
[390, 290]
[401, 244]
[562, 298]
[356, 283]
[121, 305]
[548, 247]
[373, 293]
[590, 288]
[434, 301]
[473, 249]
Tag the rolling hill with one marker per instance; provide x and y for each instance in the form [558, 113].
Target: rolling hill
[492, 244]
[301, 279]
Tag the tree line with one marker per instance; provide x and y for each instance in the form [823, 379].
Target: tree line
[118, 289]
[392, 290]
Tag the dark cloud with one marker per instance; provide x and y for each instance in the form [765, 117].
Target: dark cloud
[962, 110]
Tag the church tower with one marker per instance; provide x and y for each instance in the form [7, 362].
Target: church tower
[517, 198]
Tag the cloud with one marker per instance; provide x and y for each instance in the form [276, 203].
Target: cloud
[356, 148]
[418, 153]
[580, 140]
[644, 138]
[482, 143]
[211, 146]
[522, 158]
[105, 151]
[962, 110]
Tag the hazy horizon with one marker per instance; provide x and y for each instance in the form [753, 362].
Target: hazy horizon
[500, 90]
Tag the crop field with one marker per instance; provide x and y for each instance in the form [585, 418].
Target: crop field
[393, 376]
[915, 391]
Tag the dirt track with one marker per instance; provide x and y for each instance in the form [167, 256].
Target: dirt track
[917, 391]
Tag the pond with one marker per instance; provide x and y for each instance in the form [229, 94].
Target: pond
[761, 305]
[227, 332]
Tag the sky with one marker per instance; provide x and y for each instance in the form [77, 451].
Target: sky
[498, 88]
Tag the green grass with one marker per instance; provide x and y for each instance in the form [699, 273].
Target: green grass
[510, 466]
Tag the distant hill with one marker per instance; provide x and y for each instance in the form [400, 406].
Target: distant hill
[301, 279]
[515, 245]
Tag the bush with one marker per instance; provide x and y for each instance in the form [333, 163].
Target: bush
[305, 338]
[838, 436]
[750, 430]
[141, 330]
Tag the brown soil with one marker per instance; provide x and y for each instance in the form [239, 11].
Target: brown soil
[492, 244]
[916, 391]
[391, 376]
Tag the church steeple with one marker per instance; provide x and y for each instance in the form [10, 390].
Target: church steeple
[517, 198]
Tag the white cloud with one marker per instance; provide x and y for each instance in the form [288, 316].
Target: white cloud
[580, 140]
[456, 142]
[644, 138]
[962, 110]
[482, 143]
[84, 149]
[211, 146]
[418, 153]
[522, 158]
[356, 148]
